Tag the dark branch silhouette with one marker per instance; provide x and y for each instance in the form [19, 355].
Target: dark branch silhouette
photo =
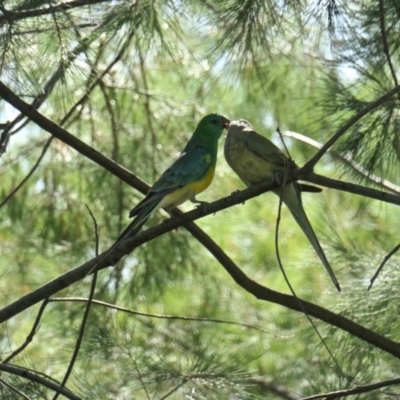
[24, 373]
[346, 159]
[30, 173]
[382, 264]
[357, 390]
[11, 16]
[31, 334]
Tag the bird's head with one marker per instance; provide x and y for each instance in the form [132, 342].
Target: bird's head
[213, 124]
[240, 125]
[243, 123]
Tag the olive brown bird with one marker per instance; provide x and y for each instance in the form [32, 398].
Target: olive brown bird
[255, 159]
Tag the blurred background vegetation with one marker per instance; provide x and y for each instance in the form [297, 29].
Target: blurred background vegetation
[143, 73]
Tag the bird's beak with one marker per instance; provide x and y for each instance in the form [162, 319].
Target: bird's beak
[225, 123]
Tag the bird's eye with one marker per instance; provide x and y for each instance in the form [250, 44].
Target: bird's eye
[214, 121]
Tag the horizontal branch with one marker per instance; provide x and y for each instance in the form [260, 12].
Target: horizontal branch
[159, 316]
[351, 188]
[347, 160]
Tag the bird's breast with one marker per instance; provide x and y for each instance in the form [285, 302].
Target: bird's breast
[188, 191]
[250, 168]
[203, 183]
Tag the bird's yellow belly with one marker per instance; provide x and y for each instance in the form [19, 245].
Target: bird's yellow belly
[203, 183]
[188, 191]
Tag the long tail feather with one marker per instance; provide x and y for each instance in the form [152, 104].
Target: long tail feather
[133, 228]
[136, 225]
[291, 197]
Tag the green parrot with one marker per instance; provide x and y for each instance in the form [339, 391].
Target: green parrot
[255, 159]
[188, 176]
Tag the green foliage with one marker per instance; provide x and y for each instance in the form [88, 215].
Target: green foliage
[132, 79]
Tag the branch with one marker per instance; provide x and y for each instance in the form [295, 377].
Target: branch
[349, 187]
[63, 135]
[124, 247]
[161, 316]
[12, 369]
[30, 173]
[382, 264]
[269, 386]
[358, 389]
[385, 42]
[347, 159]
[85, 317]
[260, 292]
[138, 184]
[14, 389]
[31, 334]
[11, 16]
[371, 106]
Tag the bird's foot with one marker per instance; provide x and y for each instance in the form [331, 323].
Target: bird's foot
[202, 204]
[199, 203]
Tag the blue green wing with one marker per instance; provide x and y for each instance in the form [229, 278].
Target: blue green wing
[189, 167]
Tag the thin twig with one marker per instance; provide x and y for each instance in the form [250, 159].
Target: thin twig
[86, 314]
[278, 219]
[268, 385]
[30, 173]
[31, 334]
[161, 316]
[385, 260]
[173, 390]
[148, 113]
[14, 389]
[99, 79]
[349, 187]
[50, 84]
[141, 381]
[385, 42]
